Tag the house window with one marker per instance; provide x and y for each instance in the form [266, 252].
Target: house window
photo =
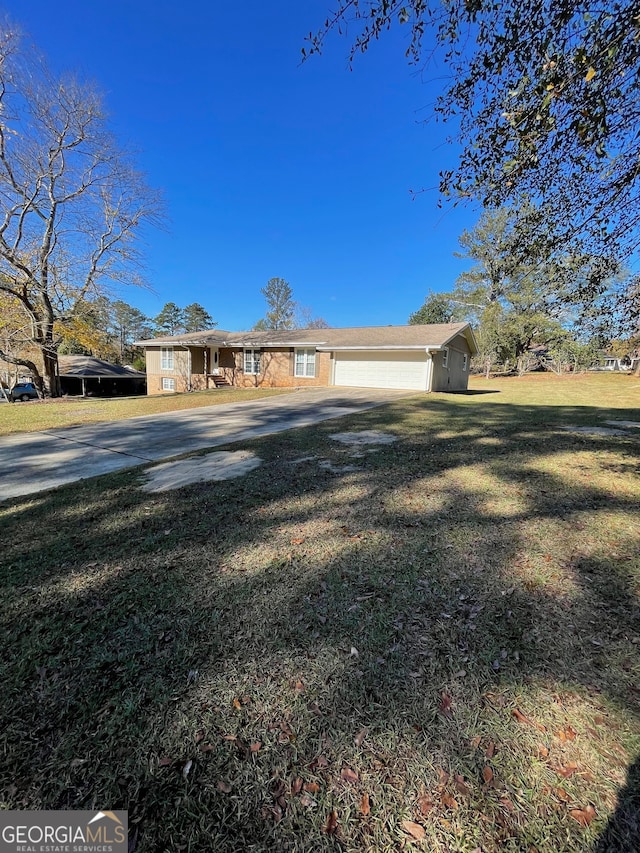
[166, 358]
[465, 359]
[252, 361]
[305, 362]
[168, 384]
[445, 357]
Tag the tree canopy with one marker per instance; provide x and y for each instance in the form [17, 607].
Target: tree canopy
[437, 308]
[280, 305]
[545, 103]
[72, 206]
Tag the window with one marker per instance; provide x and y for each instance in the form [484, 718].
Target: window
[252, 361]
[168, 384]
[166, 358]
[465, 359]
[445, 357]
[305, 362]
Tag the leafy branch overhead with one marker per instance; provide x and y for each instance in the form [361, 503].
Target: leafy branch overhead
[545, 97]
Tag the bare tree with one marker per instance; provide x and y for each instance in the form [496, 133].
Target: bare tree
[71, 201]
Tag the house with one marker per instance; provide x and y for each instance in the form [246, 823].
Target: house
[420, 358]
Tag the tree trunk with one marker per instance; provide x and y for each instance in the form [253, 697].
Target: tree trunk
[51, 378]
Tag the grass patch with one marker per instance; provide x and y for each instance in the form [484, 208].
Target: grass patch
[438, 650]
[71, 411]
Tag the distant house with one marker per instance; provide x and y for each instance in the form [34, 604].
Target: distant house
[85, 375]
[420, 358]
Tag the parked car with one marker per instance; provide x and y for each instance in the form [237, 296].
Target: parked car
[24, 391]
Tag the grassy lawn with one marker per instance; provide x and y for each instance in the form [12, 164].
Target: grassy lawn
[69, 411]
[436, 651]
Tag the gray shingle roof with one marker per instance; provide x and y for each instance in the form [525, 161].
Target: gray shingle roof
[363, 337]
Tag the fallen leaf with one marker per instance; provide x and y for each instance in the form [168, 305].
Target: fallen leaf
[507, 804]
[296, 785]
[187, 769]
[414, 829]
[348, 775]
[256, 747]
[490, 750]
[206, 747]
[461, 785]
[522, 718]
[443, 776]
[297, 541]
[487, 774]
[321, 761]
[223, 786]
[567, 770]
[354, 653]
[445, 705]
[331, 823]
[311, 787]
[299, 688]
[475, 743]
[359, 738]
[307, 801]
[277, 813]
[365, 805]
[230, 737]
[583, 816]
[165, 761]
[425, 804]
[566, 734]
[448, 800]
[199, 735]
[591, 73]
[542, 751]
[561, 794]
[236, 704]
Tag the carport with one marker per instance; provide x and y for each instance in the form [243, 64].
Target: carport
[83, 375]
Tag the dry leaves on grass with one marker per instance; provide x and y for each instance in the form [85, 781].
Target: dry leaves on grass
[348, 775]
[413, 829]
[527, 721]
[444, 706]
[359, 738]
[331, 823]
[583, 816]
[566, 734]
[425, 804]
[566, 770]
[461, 785]
[365, 805]
[448, 800]
[487, 774]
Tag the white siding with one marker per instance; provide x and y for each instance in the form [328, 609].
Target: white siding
[380, 369]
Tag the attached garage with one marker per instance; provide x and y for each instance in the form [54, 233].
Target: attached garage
[406, 369]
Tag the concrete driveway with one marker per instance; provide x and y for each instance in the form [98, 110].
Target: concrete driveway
[33, 462]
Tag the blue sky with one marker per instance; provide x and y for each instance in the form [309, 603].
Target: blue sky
[268, 167]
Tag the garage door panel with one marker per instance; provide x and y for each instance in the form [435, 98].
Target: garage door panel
[403, 370]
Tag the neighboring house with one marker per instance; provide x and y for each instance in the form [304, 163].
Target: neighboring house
[85, 375]
[420, 358]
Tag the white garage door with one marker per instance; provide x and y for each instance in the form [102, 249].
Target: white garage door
[381, 370]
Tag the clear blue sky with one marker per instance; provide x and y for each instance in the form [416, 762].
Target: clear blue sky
[268, 167]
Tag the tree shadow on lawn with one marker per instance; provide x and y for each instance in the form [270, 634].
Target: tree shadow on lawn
[419, 600]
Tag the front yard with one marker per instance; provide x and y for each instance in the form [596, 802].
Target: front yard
[430, 644]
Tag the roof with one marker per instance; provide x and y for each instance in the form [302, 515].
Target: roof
[433, 336]
[87, 367]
